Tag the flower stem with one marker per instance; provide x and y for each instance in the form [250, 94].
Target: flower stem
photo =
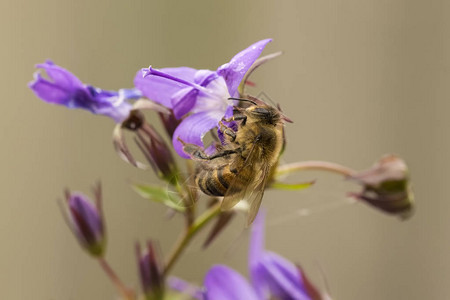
[123, 290]
[190, 232]
[315, 165]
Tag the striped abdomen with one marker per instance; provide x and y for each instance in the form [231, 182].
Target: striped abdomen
[215, 180]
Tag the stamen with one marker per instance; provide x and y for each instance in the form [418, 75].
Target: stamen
[150, 71]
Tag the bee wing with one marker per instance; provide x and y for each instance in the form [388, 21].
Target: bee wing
[240, 186]
[248, 185]
[257, 193]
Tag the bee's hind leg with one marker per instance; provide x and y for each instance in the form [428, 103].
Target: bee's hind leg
[197, 153]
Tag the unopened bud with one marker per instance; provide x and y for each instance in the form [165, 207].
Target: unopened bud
[157, 152]
[85, 219]
[150, 272]
[386, 186]
[169, 122]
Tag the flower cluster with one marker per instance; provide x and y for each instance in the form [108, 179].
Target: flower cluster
[190, 103]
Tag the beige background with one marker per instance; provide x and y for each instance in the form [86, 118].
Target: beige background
[360, 79]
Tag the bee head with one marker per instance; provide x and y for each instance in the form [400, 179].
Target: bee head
[259, 111]
[263, 113]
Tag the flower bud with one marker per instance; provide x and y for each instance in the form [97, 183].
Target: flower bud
[386, 186]
[169, 122]
[86, 221]
[150, 272]
[149, 141]
[157, 152]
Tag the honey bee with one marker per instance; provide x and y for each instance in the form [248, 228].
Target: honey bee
[240, 169]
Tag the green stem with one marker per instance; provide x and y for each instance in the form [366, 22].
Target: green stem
[315, 165]
[190, 232]
[126, 292]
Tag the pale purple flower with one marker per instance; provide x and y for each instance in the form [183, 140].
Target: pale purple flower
[64, 88]
[198, 96]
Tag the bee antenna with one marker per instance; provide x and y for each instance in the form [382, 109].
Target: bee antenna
[243, 100]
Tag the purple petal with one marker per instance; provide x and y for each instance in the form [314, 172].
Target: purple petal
[161, 89]
[126, 94]
[60, 76]
[182, 286]
[118, 113]
[204, 77]
[223, 283]
[256, 250]
[281, 277]
[235, 70]
[192, 129]
[48, 91]
[183, 101]
[60, 86]
[86, 218]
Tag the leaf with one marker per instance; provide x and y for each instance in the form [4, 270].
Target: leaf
[291, 186]
[160, 195]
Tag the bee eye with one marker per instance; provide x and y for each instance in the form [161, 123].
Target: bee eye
[260, 111]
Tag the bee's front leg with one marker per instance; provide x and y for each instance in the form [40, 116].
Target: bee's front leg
[197, 153]
[239, 117]
[227, 131]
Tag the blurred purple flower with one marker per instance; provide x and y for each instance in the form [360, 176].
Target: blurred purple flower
[271, 274]
[273, 277]
[86, 221]
[203, 93]
[66, 89]
[150, 272]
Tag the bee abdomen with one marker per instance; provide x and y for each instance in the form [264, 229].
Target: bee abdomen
[215, 182]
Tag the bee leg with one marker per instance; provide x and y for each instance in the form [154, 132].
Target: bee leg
[194, 151]
[227, 131]
[223, 153]
[242, 118]
[197, 153]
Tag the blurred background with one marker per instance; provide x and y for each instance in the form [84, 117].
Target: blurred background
[359, 78]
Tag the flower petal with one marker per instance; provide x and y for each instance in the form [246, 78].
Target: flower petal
[255, 255]
[185, 287]
[86, 222]
[257, 239]
[161, 89]
[183, 101]
[48, 91]
[60, 76]
[281, 277]
[192, 129]
[223, 283]
[235, 70]
[60, 86]
[118, 113]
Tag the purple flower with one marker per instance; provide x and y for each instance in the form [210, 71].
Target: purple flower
[273, 277]
[271, 274]
[86, 221]
[66, 89]
[202, 93]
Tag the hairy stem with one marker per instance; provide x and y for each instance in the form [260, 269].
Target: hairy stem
[315, 165]
[127, 293]
[189, 233]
